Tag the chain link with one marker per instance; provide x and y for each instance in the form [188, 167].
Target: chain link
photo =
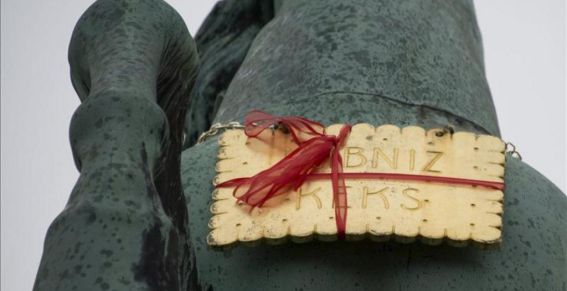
[216, 128]
[511, 149]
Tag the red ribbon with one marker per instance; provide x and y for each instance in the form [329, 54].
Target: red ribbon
[314, 148]
[411, 177]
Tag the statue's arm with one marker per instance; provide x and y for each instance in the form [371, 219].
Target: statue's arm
[133, 64]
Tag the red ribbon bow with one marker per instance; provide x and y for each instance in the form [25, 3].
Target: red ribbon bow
[314, 148]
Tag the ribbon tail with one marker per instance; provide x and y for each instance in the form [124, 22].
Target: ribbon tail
[339, 194]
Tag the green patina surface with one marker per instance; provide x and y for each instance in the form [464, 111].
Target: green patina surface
[531, 257]
[133, 64]
[128, 226]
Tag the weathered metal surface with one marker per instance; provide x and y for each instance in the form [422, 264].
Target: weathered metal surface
[531, 257]
[133, 64]
[223, 41]
[415, 62]
[422, 58]
[380, 62]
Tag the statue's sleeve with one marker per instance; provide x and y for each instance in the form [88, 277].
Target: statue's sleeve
[133, 65]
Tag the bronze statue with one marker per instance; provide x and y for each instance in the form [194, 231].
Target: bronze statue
[137, 217]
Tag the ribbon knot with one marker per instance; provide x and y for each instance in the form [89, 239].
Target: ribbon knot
[314, 148]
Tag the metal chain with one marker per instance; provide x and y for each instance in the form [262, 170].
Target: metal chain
[511, 149]
[217, 127]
